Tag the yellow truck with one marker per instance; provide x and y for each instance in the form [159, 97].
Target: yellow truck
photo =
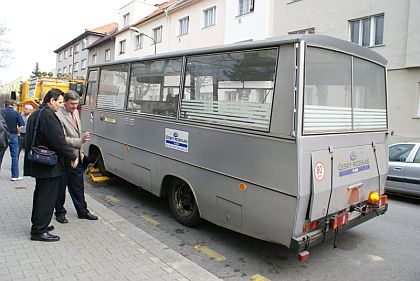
[32, 91]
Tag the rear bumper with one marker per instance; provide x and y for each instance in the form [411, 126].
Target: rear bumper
[309, 240]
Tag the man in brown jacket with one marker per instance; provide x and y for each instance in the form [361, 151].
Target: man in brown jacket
[73, 178]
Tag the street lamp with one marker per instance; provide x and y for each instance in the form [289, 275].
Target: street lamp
[135, 29]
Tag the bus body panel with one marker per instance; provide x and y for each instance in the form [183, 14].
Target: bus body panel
[204, 149]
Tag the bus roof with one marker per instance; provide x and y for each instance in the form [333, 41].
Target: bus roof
[314, 40]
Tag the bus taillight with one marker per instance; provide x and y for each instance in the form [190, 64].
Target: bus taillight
[310, 225]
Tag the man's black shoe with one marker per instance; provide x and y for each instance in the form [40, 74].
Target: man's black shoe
[45, 237]
[88, 216]
[61, 219]
[50, 228]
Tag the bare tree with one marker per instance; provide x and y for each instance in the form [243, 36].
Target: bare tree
[5, 51]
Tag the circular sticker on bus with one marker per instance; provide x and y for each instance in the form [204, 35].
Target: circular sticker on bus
[319, 171]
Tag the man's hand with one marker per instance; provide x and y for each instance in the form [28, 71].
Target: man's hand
[74, 163]
[86, 137]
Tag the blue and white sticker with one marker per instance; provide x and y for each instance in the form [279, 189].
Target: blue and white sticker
[176, 139]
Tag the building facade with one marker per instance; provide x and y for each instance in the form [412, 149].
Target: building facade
[102, 50]
[388, 27]
[72, 57]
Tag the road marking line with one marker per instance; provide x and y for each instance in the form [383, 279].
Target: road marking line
[111, 199]
[258, 277]
[209, 252]
[376, 258]
[150, 220]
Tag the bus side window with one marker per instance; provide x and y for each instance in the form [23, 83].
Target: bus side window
[90, 91]
[154, 87]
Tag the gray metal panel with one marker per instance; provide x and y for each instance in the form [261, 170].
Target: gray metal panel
[221, 151]
[308, 144]
[284, 93]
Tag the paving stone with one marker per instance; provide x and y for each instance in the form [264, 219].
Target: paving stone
[108, 249]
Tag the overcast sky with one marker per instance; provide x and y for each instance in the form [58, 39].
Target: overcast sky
[38, 27]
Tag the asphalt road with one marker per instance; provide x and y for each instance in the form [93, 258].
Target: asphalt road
[385, 248]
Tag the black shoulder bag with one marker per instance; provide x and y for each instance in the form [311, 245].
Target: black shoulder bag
[40, 154]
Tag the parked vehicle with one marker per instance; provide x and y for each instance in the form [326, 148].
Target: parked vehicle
[404, 169]
[284, 139]
[32, 91]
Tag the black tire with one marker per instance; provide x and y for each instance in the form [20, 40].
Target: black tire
[183, 204]
[101, 166]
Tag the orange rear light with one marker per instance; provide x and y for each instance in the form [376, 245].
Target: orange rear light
[310, 225]
[374, 198]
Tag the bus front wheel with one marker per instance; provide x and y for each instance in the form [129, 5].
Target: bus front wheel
[183, 204]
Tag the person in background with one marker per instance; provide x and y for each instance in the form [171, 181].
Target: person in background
[47, 178]
[4, 136]
[14, 122]
[73, 179]
[27, 110]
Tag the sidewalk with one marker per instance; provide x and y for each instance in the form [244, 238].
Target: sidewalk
[108, 249]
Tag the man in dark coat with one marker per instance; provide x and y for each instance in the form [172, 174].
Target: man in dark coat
[51, 135]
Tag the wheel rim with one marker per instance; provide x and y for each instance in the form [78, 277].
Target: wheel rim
[184, 200]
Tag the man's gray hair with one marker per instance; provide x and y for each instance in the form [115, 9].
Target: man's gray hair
[71, 95]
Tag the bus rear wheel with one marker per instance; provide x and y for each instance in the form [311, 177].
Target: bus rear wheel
[101, 166]
[183, 204]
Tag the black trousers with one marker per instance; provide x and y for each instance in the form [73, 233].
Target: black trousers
[22, 140]
[43, 203]
[73, 179]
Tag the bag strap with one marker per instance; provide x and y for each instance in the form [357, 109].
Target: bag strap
[36, 127]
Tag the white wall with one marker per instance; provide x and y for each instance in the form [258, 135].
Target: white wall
[197, 36]
[138, 9]
[252, 26]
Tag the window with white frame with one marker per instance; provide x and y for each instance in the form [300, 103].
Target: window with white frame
[367, 31]
[70, 67]
[157, 34]
[83, 64]
[71, 51]
[76, 66]
[77, 48]
[59, 71]
[246, 6]
[84, 44]
[304, 31]
[122, 46]
[107, 54]
[183, 25]
[94, 58]
[126, 19]
[209, 17]
[138, 42]
[60, 56]
[65, 70]
[66, 54]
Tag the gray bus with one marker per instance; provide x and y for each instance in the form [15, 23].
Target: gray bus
[283, 139]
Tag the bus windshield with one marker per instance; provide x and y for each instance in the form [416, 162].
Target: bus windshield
[342, 93]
